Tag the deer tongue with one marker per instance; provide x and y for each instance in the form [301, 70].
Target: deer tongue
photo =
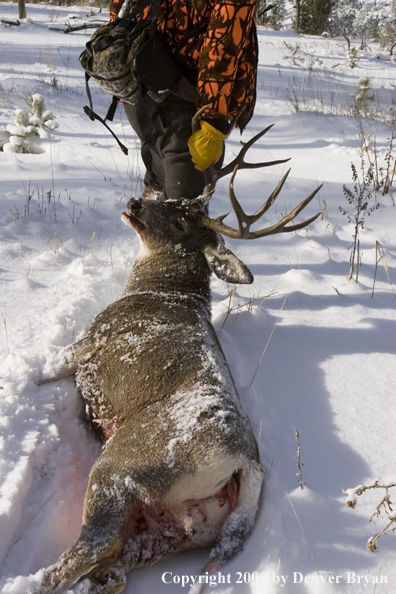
[128, 219]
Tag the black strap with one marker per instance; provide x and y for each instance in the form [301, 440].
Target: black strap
[112, 109]
[88, 90]
[109, 116]
[187, 36]
[94, 116]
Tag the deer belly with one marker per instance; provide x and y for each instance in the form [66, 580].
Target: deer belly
[203, 518]
[195, 522]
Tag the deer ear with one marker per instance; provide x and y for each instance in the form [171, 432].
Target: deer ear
[227, 266]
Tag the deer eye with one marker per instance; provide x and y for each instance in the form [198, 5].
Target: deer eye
[178, 225]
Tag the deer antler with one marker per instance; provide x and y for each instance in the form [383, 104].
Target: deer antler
[245, 221]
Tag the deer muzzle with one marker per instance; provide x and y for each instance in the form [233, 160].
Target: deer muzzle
[130, 218]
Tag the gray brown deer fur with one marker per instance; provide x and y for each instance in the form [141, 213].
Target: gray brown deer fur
[180, 466]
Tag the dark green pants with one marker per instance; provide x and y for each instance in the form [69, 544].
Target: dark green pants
[164, 129]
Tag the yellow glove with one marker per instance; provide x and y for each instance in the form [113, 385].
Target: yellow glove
[206, 146]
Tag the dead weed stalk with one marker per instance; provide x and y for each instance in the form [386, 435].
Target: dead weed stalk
[299, 464]
[385, 506]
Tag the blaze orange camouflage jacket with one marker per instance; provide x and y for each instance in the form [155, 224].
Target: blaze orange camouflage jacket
[224, 55]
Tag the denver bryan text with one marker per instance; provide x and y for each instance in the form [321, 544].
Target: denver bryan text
[350, 577]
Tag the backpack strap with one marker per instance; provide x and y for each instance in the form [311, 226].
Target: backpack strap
[194, 32]
[112, 109]
[94, 116]
[110, 114]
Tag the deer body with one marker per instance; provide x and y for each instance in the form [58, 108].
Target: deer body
[180, 467]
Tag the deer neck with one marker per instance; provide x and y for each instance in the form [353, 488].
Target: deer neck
[182, 273]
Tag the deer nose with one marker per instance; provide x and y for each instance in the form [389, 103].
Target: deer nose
[134, 204]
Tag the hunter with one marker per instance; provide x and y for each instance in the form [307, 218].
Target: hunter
[214, 43]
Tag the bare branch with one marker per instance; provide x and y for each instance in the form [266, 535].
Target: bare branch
[6, 22]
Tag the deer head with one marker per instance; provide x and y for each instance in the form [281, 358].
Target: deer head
[172, 228]
[184, 226]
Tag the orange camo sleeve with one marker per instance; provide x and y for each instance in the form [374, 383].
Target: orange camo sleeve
[115, 8]
[227, 41]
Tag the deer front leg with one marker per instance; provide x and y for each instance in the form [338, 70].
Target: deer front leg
[72, 356]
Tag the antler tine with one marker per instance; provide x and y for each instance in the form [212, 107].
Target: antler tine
[250, 219]
[241, 163]
[280, 226]
[245, 221]
[195, 120]
[301, 225]
[212, 175]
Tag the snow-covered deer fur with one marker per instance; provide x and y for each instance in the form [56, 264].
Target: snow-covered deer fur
[179, 467]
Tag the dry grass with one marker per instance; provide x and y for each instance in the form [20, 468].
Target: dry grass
[327, 95]
[255, 301]
[299, 523]
[269, 340]
[380, 257]
[3, 315]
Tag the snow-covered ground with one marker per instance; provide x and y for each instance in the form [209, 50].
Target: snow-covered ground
[327, 369]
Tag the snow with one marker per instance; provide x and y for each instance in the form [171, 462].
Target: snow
[327, 369]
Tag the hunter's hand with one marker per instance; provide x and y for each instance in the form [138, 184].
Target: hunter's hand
[206, 146]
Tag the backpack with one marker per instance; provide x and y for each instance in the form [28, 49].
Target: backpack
[125, 56]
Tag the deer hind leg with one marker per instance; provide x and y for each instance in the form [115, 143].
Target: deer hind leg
[110, 580]
[76, 561]
[99, 540]
[140, 551]
[238, 525]
[111, 496]
[104, 568]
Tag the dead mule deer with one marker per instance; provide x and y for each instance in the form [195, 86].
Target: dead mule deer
[180, 465]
